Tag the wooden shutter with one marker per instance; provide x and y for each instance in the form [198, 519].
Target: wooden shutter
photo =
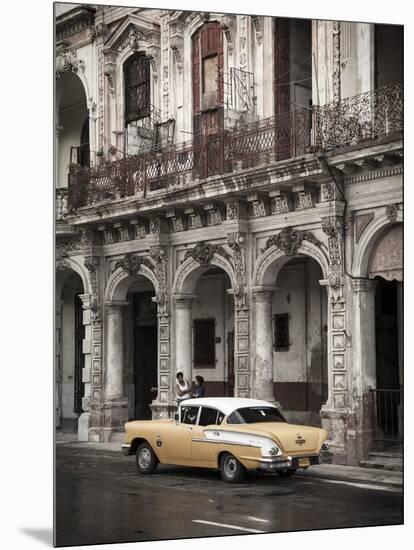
[282, 76]
[204, 343]
[137, 87]
[196, 74]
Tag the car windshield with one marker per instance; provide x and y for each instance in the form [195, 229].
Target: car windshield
[251, 415]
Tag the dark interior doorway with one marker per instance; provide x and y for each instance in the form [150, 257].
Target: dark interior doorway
[145, 353]
[388, 55]
[78, 386]
[387, 326]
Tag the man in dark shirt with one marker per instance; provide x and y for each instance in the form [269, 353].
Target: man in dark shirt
[200, 390]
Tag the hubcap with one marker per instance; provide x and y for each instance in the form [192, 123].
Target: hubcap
[230, 466]
[144, 458]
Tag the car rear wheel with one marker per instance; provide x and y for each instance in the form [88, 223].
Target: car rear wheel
[146, 459]
[286, 473]
[230, 469]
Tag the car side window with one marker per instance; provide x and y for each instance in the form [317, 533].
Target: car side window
[208, 416]
[189, 415]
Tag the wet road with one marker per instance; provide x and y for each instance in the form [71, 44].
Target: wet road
[101, 499]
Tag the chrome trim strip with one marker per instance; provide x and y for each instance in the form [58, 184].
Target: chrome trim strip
[223, 442]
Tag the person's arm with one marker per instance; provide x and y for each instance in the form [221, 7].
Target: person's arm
[179, 391]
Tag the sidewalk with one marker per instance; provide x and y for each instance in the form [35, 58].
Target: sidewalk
[336, 472]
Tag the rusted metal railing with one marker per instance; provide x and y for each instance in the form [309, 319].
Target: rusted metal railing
[387, 407]
[360, 118]
[288, 135]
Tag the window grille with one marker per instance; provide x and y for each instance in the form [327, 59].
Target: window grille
[281, 332]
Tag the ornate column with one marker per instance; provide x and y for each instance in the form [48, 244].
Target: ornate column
[58, 367]
[363, 375]
[84, 419]
[263, 363]
[183, 333]
[115, 406]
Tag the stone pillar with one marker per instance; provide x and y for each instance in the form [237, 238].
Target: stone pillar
[115, 408]
[84, 418]
[58, 366]
[263, 362]
[183, 334]
[114, 350]
[363, 374]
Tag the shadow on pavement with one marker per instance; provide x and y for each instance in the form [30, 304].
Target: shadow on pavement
[44, 535]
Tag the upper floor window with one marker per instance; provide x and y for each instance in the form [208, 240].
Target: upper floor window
[207, 57]
[137, 87]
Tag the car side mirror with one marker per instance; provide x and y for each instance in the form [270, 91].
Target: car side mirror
[176, 417]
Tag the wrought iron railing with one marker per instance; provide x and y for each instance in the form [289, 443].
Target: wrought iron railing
[61, 204]
[358, 118]
[285, 136]
[387, 407]
[288, 135]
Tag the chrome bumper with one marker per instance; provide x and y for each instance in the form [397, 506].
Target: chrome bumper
[289, 462]
[126, 449]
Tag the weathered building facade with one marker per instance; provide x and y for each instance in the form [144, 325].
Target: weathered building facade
[229, 203]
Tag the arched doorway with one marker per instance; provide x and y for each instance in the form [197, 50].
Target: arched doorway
[70, 358]
[213, 332]
[140, 373]
[385, 267]
[299, 338]
[72, 124]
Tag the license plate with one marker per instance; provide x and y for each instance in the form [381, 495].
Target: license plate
[303, 462]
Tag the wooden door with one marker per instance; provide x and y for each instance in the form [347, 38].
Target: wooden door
[145, 370]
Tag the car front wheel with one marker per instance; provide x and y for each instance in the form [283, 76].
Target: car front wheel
[146, 459]
[286, 473]
[230, 469]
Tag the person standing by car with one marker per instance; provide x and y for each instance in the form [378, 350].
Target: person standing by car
[182, 388]
[200, 389]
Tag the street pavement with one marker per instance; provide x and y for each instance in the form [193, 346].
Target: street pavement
[100, 498]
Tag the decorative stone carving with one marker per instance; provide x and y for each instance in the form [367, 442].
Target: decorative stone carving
[195, 219]
[154, 53]
[361, 222]
[177, 44]
[391, 212]
[336, 76]
[259, 206]
[289, 240]
[232, 210]
[228, 24]
[131, 263]
[159, 255]
[257, 22]
[109, 72]
[331, 227]
[237, 242]
[203, 253]
[66, 60]
[61, 265]
[303, 199]
[92, 264]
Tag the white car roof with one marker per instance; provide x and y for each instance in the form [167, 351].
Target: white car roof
[226, 405]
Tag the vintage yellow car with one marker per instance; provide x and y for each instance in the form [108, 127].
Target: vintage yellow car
[229, 434]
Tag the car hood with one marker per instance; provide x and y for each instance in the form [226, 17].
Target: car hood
[293, 438]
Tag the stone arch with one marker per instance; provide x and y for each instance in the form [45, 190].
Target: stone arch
[120, 281]
[72, 264]
[273, 259]
[369, 239]
[190, 270]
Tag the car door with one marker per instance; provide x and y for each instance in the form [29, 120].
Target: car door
[203, 452]
[179, 442]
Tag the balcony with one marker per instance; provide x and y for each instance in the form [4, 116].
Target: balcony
[290, 135]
